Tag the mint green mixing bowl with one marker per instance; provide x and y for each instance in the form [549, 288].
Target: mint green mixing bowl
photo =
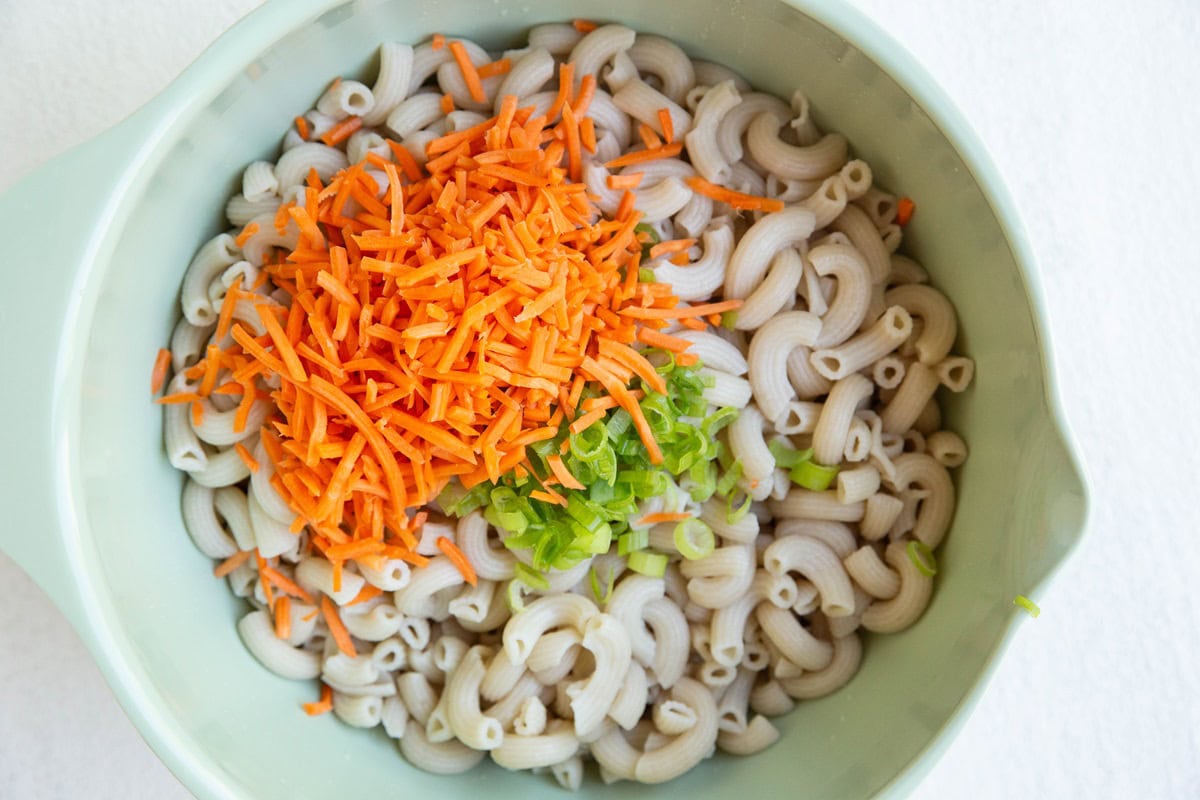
[100, 237]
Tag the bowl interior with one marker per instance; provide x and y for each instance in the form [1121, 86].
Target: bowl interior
[174, 624]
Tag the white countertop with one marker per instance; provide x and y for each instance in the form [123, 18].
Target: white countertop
[1090, 109]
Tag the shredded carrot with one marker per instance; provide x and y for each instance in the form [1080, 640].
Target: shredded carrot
[158, 376]
[904, 210]
[668, 125]
[682, 312]
[337, 628]
[671, 247]
[283, 617]
[230, 564]
[584, 25]
[498, 67]
[367, 593]
[664, 516]
[197, 413]
[447, 104]
[642, 156]
[247, 232]
[458, 558]
[438, 41]
[322, 706]
[436, 330]
[469, 73]
[737, 200]
[649, 137]
[247, 459]
[302, 128]
[341, 131]
[686, 359]
[629, 181]
[663, 340]
[562, 473]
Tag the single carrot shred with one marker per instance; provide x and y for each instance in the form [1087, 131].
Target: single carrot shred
[249, 460]
[904, 210]
[337, 628]
[737, 200]
[665, 516]
[283, 617]
[438, 41]
[584, 25]
[469, 73]
[629, 181]
[302, 128]
[447, 104]
[158, 376]
[366, 594]
[667, 124]
[341, 131]
[642, 156]
[248, 231]
[322, 706]
[649, 137]
[498, 67]
[230, 564]
[671, 247]
[458, 558]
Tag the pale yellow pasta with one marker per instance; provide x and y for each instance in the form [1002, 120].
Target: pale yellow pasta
[901, 611]
[805, 162]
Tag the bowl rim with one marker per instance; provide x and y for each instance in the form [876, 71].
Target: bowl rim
[155, 125]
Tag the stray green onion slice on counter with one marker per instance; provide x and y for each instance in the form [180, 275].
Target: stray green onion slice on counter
[1027, 604]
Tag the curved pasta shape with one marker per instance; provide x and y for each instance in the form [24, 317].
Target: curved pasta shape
[554, 746]
[223, 468]
[767, 359]
[642, 102]
[817, 160]
[715, 352]
[201, 522]
[662, 199]
[293, 166]
[909, 603]
[259, 181]
[775, 293]
[805, 504]
[605, 637]
[847, 655]
[258, 634]
[719, 579]
[758, 736]
[392, 83]
[937, 509]
[557, 37]
[918, 386]
[213, 258]
[317, 573]
[415, 598]
[698, 280]
[689, 748]
[758, 247]
[725, 390]
[868, 570]
[858, 228]
[849, 306]
[627, 606]
[598, 47]
[543, 614]
[819, 564]
[828, 201]
[630, 702]
[837, 536]
[748, 444]
[884, 336]
[345, 99]
[829, 437]
[461, 698]
[671, 638]
[734, 123]
[793, 641]
[666, 60]
[807, 382]
[745, 530]
[939, 321]
[442, 758]
[472, 537]
[272, 538]
[702, 145]
[727, 633]
[528, 75]
[451, 81]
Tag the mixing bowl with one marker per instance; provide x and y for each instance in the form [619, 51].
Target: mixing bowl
[99, 239]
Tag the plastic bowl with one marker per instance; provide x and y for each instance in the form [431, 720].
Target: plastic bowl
[93, 505]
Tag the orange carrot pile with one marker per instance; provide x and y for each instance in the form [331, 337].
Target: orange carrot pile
[438, 328]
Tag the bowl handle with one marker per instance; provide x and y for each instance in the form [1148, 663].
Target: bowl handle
[51, 223]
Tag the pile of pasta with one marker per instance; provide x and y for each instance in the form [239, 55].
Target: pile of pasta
[840, 345]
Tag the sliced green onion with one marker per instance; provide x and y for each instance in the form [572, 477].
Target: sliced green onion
[734, 515]
[730, 478]
[586, 444]
[652, 565]
[729, 319]
[694, 539]
[646, 275]
[619, 423]
[602, 595]
[530, 577]
[922, 558]
[702, 480]
[812, 475]
[1027, 604]
[717, 420]
[788, 457]
[514, 596]
[632, 541]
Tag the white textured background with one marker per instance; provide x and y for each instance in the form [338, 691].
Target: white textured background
[1091, 110]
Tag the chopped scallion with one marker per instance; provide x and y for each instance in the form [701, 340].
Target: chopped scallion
[922, 558]
[1027, 604]
[694, 539]
[652, 565]
[812, 475]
